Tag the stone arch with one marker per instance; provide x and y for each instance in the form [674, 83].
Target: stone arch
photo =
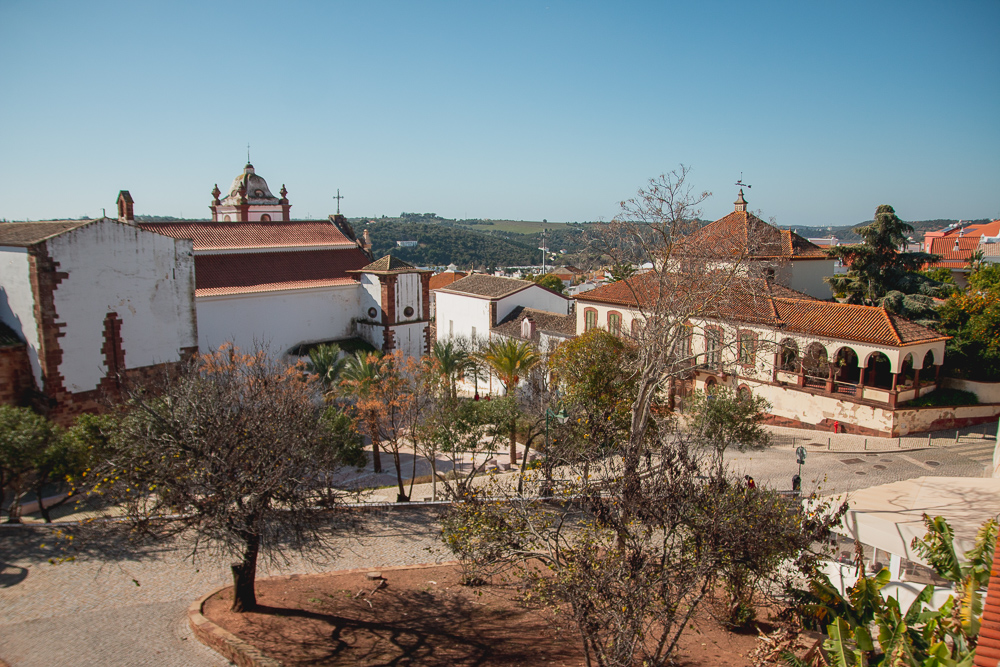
[879, 369]
[847, 366]
[929, 360]
[815, 362]
[743, 393]
[906, 369]
[788, 355]
[710, 385]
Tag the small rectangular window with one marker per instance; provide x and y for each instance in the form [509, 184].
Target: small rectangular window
[713, 346]
[746, 345]
[451, 328]
[473, 333]
[615, 323]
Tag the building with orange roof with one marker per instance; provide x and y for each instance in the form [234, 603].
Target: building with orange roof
[766, 250]
[818, 363]
[957, 244]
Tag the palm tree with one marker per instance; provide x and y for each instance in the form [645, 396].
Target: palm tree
[359, 375]
[452, 362]
[326, 362]
[509, 359]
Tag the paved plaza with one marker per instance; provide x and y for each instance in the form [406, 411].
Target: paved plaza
[105, 609]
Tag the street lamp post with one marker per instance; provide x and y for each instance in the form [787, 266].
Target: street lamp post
[560, 417]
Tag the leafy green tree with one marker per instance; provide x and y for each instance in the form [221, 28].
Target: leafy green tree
[972, 318]
[877, 269]
[550, 281]
[326, 362]
[451, 361]
[36, 455]
[509, 360]
[598, 386]
[724, 419]
[621, 271]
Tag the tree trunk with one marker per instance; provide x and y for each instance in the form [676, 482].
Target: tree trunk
[245, 575]
[401, 497]
[376, 457]
[43, 510]
[513, 444]
[524, 465]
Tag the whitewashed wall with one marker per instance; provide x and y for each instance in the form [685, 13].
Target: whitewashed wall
[458, 314]
[533, 297]
[370, 297]
[144, 277]
[17, 303]
[409, 338]
[408, 293]
[279, 319]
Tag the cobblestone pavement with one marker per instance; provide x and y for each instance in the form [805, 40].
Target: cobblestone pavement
[104, 611]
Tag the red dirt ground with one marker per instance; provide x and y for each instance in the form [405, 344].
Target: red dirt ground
[426, 617]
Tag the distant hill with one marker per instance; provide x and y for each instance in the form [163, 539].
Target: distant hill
[439, 245]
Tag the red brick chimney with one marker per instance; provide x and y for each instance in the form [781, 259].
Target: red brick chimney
[125, 207]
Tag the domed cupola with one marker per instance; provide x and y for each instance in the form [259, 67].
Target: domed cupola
[257, 191]
[250, 200]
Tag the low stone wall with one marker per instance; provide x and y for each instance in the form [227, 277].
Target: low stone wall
[987, 392]
[915, 420]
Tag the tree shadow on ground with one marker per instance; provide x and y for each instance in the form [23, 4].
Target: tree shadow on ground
[433, 628]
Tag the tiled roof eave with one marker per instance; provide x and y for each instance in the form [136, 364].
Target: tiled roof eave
[274, 287]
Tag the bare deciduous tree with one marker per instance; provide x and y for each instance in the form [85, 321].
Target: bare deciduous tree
[232, 451]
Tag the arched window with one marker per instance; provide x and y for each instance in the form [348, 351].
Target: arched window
[743, 393]
[265, 218]
[589, 319]
[615, 322]
[815, 362]
[788, 356]
[226, 218]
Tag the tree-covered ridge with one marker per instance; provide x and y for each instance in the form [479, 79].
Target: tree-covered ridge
[440, 245]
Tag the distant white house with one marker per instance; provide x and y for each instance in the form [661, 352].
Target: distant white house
[472, 306]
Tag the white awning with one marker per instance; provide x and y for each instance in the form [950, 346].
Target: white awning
[890, 516]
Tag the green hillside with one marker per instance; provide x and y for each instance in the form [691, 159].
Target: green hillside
[439, 245]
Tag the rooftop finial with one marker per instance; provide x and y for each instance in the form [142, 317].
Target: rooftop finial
[338, 198]
[248, 153]
[741, 203]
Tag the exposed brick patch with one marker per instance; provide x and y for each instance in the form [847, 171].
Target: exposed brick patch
[114, 352]
[16, 378]
[388, 340]
[388, 284]
[45, 279]
[425, 295]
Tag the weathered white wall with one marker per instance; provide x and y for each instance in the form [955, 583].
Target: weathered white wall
[144, 277]
[458, 314]
[987, 392]
[370, 297]
[533, 297]
[279, 319]
[17, 303]
[409, 338]
[922, 419]
[408, 293]
[807, 276]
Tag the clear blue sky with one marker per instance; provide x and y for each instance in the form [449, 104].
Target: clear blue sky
[523, 110]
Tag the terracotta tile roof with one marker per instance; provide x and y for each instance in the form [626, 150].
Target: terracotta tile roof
[243, 273]
[389, 265]
[493, 287]
[550, 323]
[253, 235]
[445, 278]
[743, 234]
[24, 234]
[763, 302]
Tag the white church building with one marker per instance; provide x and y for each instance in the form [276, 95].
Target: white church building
[85, 302]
